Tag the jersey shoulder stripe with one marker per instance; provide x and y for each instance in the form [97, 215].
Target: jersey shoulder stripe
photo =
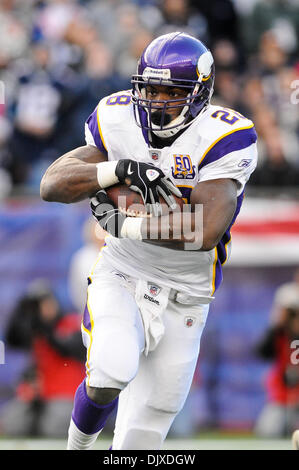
[100, 130]
[236, 139]
[108, 114]
[93, 123]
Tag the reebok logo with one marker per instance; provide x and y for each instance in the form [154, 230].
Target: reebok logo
[245, 163]
[150, 72]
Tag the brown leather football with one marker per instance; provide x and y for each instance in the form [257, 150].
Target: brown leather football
[130, 202]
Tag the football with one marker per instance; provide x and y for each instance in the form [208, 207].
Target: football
[130, 202]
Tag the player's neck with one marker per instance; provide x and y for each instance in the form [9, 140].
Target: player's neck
[159, 142]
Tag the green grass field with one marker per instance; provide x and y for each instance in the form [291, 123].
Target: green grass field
[203, 442]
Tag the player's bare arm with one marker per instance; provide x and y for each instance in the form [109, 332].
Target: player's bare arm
[72, 177]
[81, 173]
[218, 199]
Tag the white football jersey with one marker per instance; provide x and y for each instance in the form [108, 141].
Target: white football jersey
[221, 143]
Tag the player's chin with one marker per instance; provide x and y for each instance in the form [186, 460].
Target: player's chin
[159, 118]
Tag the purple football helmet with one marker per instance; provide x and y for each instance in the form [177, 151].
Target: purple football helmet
[180, 61]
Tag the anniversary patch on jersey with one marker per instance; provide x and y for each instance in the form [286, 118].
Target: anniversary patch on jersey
[183, 168]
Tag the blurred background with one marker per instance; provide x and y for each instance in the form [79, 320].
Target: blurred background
[57, 60]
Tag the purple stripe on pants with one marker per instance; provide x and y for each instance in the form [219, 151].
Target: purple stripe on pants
[86, 319]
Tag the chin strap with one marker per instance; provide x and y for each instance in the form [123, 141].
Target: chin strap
[166, 133]
[177, 124]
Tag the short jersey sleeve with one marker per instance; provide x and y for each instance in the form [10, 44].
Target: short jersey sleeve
[93, 133]
[233, 156]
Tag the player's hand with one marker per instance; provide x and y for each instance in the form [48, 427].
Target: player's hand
[150, 182]
[106, 213]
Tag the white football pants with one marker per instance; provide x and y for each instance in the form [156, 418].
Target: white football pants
[155, 378]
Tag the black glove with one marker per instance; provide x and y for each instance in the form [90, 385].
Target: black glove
[149, 181]
[106, 213]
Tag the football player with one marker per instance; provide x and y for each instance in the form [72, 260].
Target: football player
[148, 300]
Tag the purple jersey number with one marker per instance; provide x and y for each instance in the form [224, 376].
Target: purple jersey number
[225, 116]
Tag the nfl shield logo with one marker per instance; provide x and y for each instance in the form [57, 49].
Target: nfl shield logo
[154, 290]
[189, 321]
[155, 154]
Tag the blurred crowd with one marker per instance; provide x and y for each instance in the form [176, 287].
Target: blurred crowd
[40, 401]
[58, 58]
[280, 414]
